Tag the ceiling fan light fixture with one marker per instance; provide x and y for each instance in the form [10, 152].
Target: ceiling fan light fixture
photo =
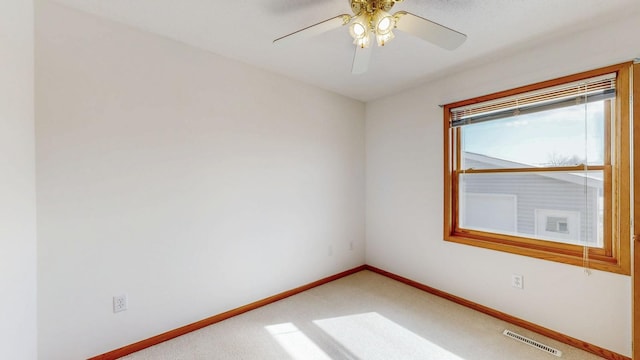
[384, 38]
[384, 22]
[363, 42]
[359, 30]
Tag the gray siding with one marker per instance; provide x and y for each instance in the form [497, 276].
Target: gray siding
[535, 191]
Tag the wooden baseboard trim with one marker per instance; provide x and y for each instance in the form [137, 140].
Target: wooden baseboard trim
[129, 349]
[607, 354]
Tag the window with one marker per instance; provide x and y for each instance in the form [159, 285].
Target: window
[559, 225]
[543, 170]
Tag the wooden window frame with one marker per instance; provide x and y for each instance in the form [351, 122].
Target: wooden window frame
[615, 256]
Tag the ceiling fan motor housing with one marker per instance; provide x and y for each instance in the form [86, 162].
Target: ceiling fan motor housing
[370, 6]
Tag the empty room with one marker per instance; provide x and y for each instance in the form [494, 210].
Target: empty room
[319, 179]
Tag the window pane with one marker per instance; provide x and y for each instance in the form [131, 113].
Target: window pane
[555, 206]
[560, 137]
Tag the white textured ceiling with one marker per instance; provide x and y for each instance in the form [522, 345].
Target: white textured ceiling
[244, 30]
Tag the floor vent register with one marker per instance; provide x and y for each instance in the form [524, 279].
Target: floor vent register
[531, 342]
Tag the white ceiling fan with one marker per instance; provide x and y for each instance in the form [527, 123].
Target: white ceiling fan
[371, 18]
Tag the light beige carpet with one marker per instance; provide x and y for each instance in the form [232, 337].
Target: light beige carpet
[364, 316]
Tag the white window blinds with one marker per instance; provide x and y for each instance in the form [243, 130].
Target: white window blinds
[575, 93]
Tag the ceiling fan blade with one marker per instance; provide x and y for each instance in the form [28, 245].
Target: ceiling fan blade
[428, 30]
[361, 60]
[315, 29]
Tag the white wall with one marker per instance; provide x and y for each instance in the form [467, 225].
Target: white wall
[190, 182]
[404, 197]
[17, 183]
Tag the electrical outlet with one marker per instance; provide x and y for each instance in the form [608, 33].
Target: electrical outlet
[517, 281]
[119, 303]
